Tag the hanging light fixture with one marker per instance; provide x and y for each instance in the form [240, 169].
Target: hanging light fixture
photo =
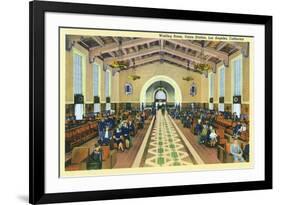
[202, 66]
[134, 76]
[188, 78]
[118, 62]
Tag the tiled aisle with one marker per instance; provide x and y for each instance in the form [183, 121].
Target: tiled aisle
[166, 147]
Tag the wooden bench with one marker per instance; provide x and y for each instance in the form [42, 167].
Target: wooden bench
[223, 153]
[79, 135]
[79, 158]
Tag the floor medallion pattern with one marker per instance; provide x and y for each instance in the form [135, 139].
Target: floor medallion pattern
[166, 147]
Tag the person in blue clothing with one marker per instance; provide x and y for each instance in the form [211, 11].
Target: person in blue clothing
[106, 137]
[101, 128]
[140, 120]
[237, 130]
[107, 121]
[187, 122]
[118, 139]
[111, 123]
[198, 128]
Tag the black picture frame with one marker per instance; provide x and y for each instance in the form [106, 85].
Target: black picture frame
[37, 11]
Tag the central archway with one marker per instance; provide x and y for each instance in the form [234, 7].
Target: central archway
[160, 94]
[172, 82]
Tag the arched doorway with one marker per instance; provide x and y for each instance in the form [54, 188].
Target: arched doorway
[160, 98]
[167, 85]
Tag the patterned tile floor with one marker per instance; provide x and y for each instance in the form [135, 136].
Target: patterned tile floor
[166, 147]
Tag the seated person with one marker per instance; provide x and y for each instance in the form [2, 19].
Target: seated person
[154, 111]
[111, 123]
[95, 159]
[142, 121]
[235, 117]
[106, 120]
[126, 134]
[183, 118]
[138, 121]
[131, 127]
[118, 139]
[213, 137]
[236, 151]
[198, 128]
[237, 130]
[243, 128]
[203, 135]
[212, 119]
[106, 137]
[187, 122]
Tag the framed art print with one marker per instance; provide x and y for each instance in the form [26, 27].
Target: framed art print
[139, 102]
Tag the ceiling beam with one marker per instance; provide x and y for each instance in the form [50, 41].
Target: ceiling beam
[101, 43]
[206, 43]
[124, 51]
[153, 49]
[81, 41]
[221, 45]
[95, 51]
[98, 40]
[208, 58]
[147, 60]
[156, 49]
[187, 56]
[243, 47]
[116, 40]
[179, 62]
[161, 43]
[207, 51]
[148, 45]
[158, 57]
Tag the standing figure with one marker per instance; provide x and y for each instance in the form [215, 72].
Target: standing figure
[106, 137]
[213, 137]
[101, 129]
[237, 130]
[118, 139]
[126, 135]
[163, 110]
[131, 128]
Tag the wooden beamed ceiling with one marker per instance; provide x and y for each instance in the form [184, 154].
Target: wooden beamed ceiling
[140, 51]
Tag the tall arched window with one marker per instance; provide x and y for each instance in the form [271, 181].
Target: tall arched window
[96, 86]
[237, 77]
[221, 88]
[211, 85]
[211, 91]
[237, 84]
[77, 74]
[78, 84]
[107, 80]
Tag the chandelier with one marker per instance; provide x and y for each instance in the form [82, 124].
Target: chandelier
[202, 66]
[118, 62]
[188, 78]
[134, 76]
